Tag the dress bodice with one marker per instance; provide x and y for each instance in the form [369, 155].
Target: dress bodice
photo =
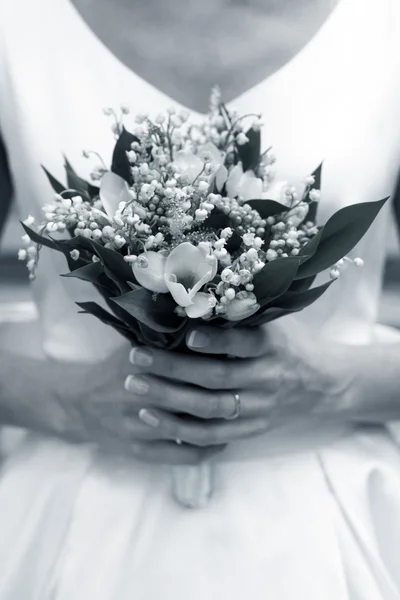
[338, 100]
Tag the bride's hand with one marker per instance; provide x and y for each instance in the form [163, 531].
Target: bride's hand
[281, 374]
[84, 403]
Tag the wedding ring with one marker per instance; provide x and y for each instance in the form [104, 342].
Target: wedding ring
[238, 407]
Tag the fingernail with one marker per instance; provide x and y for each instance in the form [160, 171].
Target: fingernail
[148, 418]
[140, 357]
[198, 339]
[136, 385]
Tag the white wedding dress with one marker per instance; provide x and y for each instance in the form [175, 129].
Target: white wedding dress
[300, 514]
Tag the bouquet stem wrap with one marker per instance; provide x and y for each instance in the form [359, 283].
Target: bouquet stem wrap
[192, 486]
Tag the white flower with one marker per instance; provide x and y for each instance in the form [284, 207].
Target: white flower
[22, 254]
[257, 124]
[149, 271]
[201, 306]
[358, 262]
[75, 254]
[271, 254]
[29, 221]
[242, 139]
[315, 195]
[113, 190]
[244, 185]
[140, 118]
[187, 269]
[309, 180]
[160, 119]
[188, 164]
[244, 305]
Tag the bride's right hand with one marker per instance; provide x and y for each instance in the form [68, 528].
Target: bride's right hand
[85, 404]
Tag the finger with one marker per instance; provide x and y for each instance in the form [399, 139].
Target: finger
[202, 433]
[173, 454]
[182, 398]
[240, 342]
[212, 373]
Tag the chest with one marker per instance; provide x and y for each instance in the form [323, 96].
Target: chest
[185, 52]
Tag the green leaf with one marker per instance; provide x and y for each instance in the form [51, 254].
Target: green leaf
[107, 318]
[120, 163]
[56, 185]
[300, 300]
[275, 278]
[157, 313]
[341, 233]
[267, 208]
[249, 153]
[77, 183]
[39, 239]
[313, 206]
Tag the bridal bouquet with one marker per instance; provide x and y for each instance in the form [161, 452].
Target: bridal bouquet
[189, 224]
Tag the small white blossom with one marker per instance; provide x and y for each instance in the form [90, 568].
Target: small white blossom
[29, 221]
[140, 118]
[271, 254]
[242, 139]
[315, 195]
[230, 293]
[75, 254]
[309, 180]
[358, 262]
[22, 254]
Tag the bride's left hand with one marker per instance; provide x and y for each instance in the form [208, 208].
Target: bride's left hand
[281, 373]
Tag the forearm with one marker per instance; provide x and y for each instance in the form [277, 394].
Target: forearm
[371, 377]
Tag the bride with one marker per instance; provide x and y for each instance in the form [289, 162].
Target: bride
[306, 503]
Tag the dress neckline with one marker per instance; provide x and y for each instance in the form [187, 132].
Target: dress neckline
[325, 30]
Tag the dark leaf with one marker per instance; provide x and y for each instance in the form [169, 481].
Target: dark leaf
[217, 220]
[275, 278]
[250, 152]
[302, 285]
[93, 273]
[267, 208]
[300, 300]
[114, 266]
[77, 183]
[39, 239]
[120, 163]
[341, 233]
[56, 185]
[158, 314]
[107, 318]
[267, 316]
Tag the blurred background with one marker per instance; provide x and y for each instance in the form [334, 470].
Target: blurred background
[16, 303]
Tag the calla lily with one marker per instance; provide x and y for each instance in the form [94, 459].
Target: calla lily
[243, 184]
[187, 269]
[200, 307]
[188, 164]
[241, 308]
[216, 155]
[220, 177]
[151, 277]
[113, 190]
